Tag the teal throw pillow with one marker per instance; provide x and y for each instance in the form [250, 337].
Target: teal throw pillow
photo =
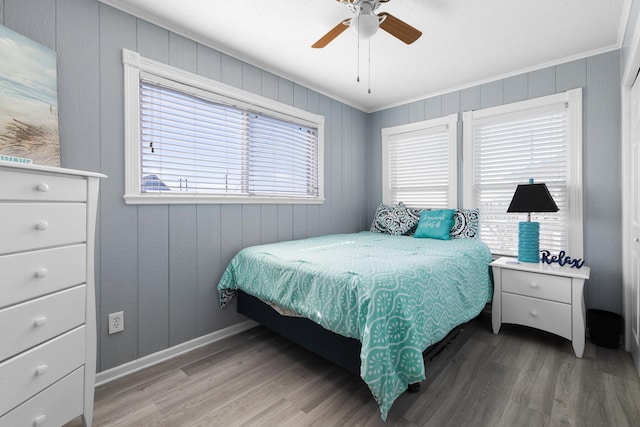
[435, 224]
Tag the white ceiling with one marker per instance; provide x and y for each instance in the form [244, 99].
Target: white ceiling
[464, 42]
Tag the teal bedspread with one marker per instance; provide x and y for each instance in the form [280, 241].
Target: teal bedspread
[395, 294]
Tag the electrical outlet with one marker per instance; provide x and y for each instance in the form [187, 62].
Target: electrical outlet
[116, 322]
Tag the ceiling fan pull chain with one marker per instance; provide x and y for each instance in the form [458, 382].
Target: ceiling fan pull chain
[358, 55]
[369, 65]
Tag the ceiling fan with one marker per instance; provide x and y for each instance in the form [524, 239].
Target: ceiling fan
[365, 23]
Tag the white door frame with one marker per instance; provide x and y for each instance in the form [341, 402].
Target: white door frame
[628, 78]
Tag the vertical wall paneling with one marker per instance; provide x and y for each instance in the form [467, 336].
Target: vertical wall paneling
[183, 291]
[329, 146]
[251, 79]
[230, 71]
[401, 115]
[602, 181]
[515, 89]
[118, 222]
[571, 75]
[542, 82]
[78, 66]
[34, 19]
[153, 279]
[416, 111]
[269, 223]
[434, 107]
[209, 62]
[208, 267]
[451, 103]
[2, 12]
[491, 94]
[470, 98]
[153, 237]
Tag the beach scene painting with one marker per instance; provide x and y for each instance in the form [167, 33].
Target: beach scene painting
[28, 101]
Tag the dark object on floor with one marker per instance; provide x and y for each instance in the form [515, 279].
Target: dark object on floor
[604, 328]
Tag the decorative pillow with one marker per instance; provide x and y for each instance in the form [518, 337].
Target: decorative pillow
[465, 224]
[435, 224]
[394, 220]
[415, 214]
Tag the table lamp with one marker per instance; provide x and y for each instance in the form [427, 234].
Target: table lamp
[530, 198]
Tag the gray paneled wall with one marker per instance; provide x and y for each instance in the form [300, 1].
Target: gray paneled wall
[160, 264]
[600, 77]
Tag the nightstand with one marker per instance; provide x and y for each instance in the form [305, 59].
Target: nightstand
[542, 296]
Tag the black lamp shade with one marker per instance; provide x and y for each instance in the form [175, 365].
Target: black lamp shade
[532, 198]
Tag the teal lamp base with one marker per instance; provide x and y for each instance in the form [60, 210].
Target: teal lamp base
[529, 242]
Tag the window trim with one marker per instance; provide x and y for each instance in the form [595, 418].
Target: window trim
[573, 100]
[452, 122]
[135, 64]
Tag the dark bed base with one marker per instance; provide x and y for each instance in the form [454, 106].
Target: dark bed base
[342, 351]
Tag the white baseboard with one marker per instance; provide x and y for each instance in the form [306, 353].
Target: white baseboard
[162, 355]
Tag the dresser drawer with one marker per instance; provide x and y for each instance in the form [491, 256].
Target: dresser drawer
[545, 286]
[53, 406]
[547, 315]
[38, 320]
[25, 375]
[30, 275]
[15, 185]
[35, 225]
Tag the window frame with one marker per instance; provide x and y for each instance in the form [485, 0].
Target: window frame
[449, 122]
[572, 100]
[136, 67]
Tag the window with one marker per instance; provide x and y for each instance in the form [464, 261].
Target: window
[193, 140]
[419, 163]
[505, 146]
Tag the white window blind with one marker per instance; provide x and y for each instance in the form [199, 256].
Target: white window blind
[419, 163]
[507, 146]
[191, 140]
[190, 144]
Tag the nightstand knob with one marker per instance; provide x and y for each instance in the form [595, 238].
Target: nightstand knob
[533, 313]
[41, 370]
[534, 285]
[43, 187]
[40, 321]
[42, 225]
[39, 420]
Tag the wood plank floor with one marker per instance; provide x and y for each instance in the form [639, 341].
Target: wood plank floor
[521, 377]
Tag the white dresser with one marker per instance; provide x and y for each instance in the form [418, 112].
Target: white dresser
[47, 295]
[542, 296]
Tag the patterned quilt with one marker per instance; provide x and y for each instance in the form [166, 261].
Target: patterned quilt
[396, 294]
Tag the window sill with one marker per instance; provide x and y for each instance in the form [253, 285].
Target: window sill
[175, 199]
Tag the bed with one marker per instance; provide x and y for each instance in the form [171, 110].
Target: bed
[392, 296]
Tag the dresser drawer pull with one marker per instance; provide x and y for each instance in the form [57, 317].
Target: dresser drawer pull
[41, 370]
[42, 225]
[43, 187]
[39, 420]
[41, 272]
[534, 285]
[533, 313]
[40, 321]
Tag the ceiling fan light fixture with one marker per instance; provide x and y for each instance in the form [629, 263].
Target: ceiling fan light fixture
[365, 23]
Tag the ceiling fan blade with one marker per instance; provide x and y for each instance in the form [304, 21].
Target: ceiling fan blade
[332, 34]
[398, 28]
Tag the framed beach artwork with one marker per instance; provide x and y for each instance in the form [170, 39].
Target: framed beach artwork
[28, 101]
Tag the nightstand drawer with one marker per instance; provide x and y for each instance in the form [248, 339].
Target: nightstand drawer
[54, 406]
[546, 315]
[30, 323]
[36, 225]
[26, 374]
[545, 286]
[22, 186]
[30, 275]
